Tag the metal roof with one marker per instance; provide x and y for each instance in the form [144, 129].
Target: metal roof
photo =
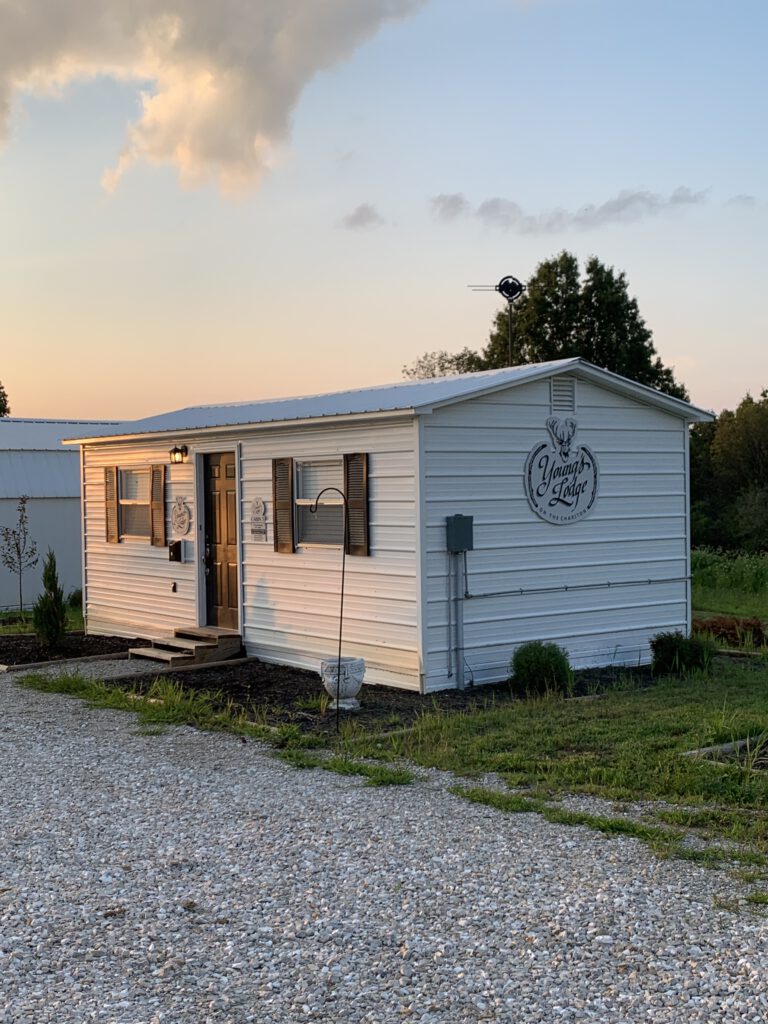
[33, 461]
[418, 396]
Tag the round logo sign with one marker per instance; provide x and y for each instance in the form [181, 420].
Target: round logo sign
[180, 517]
[561, 478]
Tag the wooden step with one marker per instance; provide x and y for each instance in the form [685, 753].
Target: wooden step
[177, 643]
[205, 632]
[228, 642]
[169, 658]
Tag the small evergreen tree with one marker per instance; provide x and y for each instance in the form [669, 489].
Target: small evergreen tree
[49, 615]
[17, 549]
[5, 409]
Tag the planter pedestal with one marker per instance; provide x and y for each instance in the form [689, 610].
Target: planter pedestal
[347, 689]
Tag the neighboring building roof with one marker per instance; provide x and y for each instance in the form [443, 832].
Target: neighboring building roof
[33, 461]
[418, 397]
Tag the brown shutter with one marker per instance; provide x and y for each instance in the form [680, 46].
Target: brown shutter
[282, 505]
[356, 490]
[110, 500]
[157, 506]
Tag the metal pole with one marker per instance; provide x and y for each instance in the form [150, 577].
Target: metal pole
[313, 509]
[509, 334]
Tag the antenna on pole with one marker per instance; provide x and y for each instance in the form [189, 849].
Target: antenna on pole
[510, 289]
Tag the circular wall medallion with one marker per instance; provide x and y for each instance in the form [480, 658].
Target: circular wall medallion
[181, 517]
[561, 479]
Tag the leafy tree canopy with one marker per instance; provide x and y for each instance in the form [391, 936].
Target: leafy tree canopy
[5, 409]
[562, 314]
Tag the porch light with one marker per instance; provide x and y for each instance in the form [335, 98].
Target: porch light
[178, 453]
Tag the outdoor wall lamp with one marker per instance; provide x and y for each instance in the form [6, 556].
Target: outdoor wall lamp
[178, 453]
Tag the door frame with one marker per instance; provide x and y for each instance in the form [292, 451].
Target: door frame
[201, 450]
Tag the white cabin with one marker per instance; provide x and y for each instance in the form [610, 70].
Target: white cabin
[34, 464]
[575, 479]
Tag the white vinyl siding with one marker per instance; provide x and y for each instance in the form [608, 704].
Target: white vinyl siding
[291, 600]
[624, 565]
[128, 587]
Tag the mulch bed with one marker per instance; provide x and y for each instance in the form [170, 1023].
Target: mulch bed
[25, 648]
[279, 695]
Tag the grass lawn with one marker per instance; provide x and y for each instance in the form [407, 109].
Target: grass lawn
[74, 621]
[623, 746]
[729, 584]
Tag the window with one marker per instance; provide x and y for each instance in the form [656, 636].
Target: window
[135, 504]
[326, 524]
[295, 487]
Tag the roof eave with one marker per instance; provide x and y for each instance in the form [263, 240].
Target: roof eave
[179, 432]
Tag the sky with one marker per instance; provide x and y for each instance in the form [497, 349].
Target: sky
[203, 203]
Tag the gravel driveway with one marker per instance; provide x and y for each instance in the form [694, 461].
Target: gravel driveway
[190, 878]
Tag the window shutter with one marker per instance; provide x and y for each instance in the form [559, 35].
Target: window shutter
[157, 506]
[110, 500]
[356, 490]
[282, 505]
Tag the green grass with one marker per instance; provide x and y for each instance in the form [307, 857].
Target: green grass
[730, 584]
[74, 622]
[165, 703]
[624, 746]
[374, 774]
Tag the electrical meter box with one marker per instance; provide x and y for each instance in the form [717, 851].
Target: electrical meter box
[459, 532]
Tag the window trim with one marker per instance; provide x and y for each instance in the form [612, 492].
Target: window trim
[330, 501]
[355, 485]
[155, 505]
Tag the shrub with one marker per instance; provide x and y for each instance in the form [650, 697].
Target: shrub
[538, 667]
[49, 615]
[75, 599]
[675, 654]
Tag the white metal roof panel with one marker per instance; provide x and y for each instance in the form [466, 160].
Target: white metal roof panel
[33, 461]
[40, 474]
[18, 434]
[418, 396]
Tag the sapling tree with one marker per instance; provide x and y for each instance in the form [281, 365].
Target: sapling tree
[17, 549]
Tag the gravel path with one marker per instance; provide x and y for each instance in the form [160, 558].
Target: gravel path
[189, 878]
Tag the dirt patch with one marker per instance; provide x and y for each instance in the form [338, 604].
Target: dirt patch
[25, 648]
[277, 695]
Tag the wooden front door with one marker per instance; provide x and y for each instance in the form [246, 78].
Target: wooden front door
[221, 540]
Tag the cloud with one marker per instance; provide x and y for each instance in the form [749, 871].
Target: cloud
[219, 80]
[364, 216]
[745, 202]
[625, 207]
[449, 206]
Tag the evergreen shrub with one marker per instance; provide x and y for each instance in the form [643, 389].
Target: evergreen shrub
[49, 615]
[679, 655]
[539, 667]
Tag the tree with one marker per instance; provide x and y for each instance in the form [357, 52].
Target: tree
[561, 315]
[49, 615]
[5, 409]
[729, 478]
[17, 549]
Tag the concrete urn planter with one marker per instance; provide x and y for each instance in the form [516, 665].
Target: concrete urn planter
[352, 673]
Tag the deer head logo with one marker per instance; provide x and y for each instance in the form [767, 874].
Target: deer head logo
[562, 434]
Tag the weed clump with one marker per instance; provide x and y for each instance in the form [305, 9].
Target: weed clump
[538, 668]
[678, 655]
